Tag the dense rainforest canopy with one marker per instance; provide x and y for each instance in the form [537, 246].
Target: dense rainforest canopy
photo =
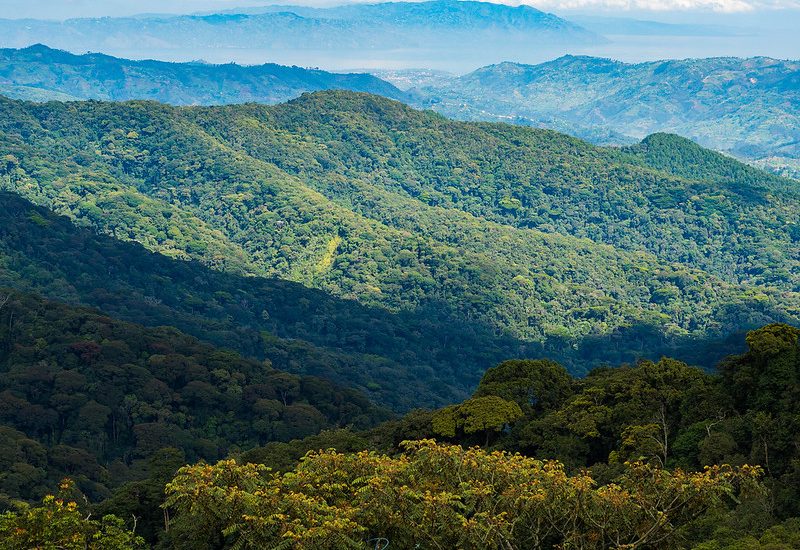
[251, 290]
[653, 455]
[543, 243]
[87, 396]
[295, 327]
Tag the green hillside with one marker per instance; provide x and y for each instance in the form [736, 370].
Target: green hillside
[539, 180]
[590, 254]
[405, 360]
[87, 396]
[743, 106]
[39, 73]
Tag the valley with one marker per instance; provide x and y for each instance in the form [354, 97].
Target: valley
[454, 289]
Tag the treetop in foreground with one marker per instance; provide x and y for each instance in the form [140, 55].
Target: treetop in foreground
[442, 496]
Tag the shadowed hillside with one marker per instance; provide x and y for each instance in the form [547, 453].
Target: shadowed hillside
[466, 242]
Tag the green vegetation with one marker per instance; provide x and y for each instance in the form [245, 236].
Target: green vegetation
[480, 241]
[745, 107]
[655, 455]
[39, 73]
[86, 396]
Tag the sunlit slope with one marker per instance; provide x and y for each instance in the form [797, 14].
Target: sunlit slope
[540, 236]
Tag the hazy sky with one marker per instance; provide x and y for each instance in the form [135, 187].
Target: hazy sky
[728, 6]
[60, 9]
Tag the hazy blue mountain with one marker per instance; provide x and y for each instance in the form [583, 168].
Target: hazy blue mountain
[40, 73]
[639, 27]
[746, 107]
[29, 93]
[446, 29]
[453, 15]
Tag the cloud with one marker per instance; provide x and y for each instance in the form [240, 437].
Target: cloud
[723, 6]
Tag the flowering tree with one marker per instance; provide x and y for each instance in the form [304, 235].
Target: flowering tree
[441, 496]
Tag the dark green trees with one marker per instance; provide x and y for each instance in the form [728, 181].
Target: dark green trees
[95, 399]
[535, 385]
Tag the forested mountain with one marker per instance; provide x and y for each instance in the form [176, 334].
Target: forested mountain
[93, 398]
[421, 31]
[405, 360]
[746, 107]
[557, 247]
[40, 73]
[759, 124]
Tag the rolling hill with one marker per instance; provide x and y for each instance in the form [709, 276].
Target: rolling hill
[554, 246]
[40, 73]
[744, 107]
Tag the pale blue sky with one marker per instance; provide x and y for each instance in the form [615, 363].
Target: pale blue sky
[60, 9]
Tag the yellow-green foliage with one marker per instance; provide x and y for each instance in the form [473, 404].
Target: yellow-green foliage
[326, 261]
[59, 524]
[477, 415]
[441, 496]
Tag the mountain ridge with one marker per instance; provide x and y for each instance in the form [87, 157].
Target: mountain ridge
[462, 14]
[533, 235]
[104, 77]
[741, 106]
[409, 31]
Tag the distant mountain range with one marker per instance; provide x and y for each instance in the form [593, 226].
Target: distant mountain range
[412, 30]
[40, 73]
[749, 108]
[746, 107]
[435, 16]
